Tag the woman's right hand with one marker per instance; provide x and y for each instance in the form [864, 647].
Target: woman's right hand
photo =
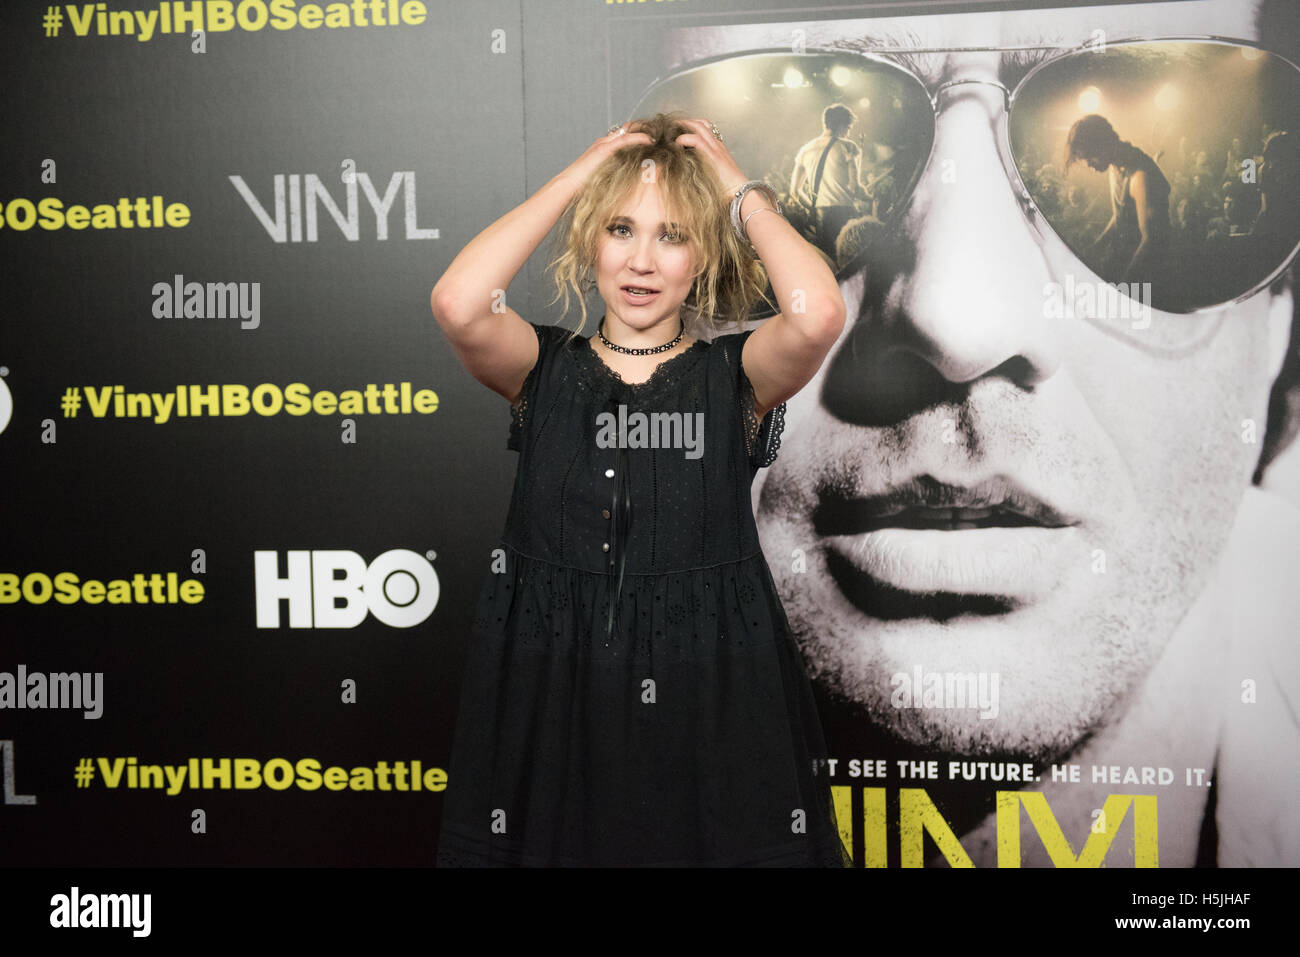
[579, 171]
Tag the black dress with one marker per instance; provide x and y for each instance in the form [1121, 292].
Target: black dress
[679, 729]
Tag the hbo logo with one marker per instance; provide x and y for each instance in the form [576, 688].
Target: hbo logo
[335, 589]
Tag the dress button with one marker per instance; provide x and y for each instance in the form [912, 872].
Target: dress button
[609, 473]
[604, 512]
[605, 547]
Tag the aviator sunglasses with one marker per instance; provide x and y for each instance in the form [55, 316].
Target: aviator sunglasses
[1203, 110]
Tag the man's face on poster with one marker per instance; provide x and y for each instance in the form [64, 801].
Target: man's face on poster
[970, 485]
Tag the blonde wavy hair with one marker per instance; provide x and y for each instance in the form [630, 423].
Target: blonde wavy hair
[729, 278]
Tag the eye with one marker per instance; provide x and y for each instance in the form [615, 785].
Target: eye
[674, 237]
[614, 230]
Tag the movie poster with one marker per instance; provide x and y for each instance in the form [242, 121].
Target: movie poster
[1033, 523]
[1029, 523]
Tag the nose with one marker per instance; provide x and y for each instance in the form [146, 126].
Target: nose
[958, 291]
[641, 254]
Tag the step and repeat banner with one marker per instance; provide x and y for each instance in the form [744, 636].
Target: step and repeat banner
[251, 496]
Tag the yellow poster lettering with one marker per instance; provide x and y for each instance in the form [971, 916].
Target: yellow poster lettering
[51, 210]
[363, 779]
[352, 402]
[308, 772]
[873, 820]
[65, 587]
[917, 816]
[1095, 847]
[297, 398]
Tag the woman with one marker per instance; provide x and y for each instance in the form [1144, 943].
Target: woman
[633, 695]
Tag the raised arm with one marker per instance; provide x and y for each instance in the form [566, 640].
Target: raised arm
[786, 351]
[494, 343]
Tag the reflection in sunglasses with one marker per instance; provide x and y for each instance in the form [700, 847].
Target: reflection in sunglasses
[1166, 165]
[838, 137]
[1146, 159]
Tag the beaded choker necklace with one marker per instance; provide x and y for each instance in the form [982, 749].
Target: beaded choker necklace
[600, 331]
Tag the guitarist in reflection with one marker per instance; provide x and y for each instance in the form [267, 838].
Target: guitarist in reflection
[825, 178]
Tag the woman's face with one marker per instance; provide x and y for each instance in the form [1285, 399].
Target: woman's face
[644, 266]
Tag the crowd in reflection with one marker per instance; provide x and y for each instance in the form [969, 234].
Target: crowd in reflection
[1219, 219]
[1216, 212]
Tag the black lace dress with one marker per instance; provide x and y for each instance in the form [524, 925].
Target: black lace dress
[633, 694]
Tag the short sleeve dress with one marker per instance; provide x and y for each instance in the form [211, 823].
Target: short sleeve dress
[632, 694]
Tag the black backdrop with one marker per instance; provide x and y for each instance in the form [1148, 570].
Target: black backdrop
[477, 105]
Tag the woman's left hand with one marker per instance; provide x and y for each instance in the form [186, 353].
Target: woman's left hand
[715, 154]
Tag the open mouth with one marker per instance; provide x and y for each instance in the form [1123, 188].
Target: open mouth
[638, 293]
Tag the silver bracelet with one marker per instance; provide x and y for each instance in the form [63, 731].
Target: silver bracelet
[761, 209]
[739, 198]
